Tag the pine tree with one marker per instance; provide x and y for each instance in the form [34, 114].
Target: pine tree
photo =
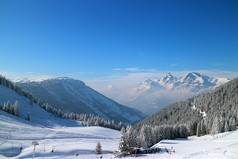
[215, 126]
[122, 141]
[131, 137]
[5, 107]
[98, 149]
[232, 124]
[16, 108]
[120, 125]
[226, 127]
[60, 113]
[8, 107]
[145, 136]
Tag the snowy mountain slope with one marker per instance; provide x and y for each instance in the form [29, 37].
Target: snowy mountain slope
[67, 142]
[37, 114]
[215, 111]
[72, 95]
[152, 95]
[64, 136]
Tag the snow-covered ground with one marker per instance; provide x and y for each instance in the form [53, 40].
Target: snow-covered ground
[69, 141]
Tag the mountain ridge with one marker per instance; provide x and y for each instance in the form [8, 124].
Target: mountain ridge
[152, 95]
[73, 95]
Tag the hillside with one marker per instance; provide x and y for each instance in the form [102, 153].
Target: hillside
[72, 95]
[212, 112]
[68, 141]
[38, 115]
[52, 132]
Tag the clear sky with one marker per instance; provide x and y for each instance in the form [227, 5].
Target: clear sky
[92, 39]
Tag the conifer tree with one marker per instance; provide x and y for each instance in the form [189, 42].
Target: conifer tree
[122, 141]
[5, 107]
[98, 149]
[131, 137]
[215, 126]
[16, 108]
[8, 107]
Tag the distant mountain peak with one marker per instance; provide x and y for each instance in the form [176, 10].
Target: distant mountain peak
[192, 81]
[169, 74]
[167, 79]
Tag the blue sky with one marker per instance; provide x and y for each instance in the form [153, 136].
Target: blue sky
[92, 39]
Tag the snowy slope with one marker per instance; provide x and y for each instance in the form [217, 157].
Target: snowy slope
[72, 95]
[152, 95]
[71, 140]
[64, 136]
[66, 140]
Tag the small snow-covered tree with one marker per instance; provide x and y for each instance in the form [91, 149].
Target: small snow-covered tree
[96, 123]
[5, 107]
[98, 149]
[72, 116]
[122, 141]
[60, 113]
[8, 107]
[120, 125]
[16, 108]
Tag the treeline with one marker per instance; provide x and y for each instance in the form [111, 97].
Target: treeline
[149, 136]
[12, 109]
[89, 119]
[219, 105]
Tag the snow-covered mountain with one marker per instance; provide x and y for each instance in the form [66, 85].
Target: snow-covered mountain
[152, 95]
[193, 82]
[38, 115]
[66, 137]
[72, 95]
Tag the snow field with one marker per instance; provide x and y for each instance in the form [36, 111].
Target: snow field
[65, 141]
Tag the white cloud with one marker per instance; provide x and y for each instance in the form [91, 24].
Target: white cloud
[133, 69]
